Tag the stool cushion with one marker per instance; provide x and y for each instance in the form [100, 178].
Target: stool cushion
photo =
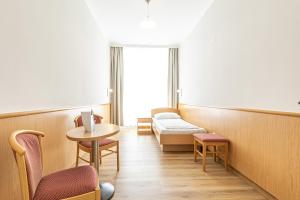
[67, 183]
[204, 137]
[102, 142]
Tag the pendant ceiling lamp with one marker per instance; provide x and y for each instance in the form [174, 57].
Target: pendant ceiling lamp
[148, 23]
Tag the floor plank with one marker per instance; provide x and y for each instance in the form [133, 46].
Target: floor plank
[147, 173]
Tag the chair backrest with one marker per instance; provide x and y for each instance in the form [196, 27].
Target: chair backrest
[26, 145]
[78, 120]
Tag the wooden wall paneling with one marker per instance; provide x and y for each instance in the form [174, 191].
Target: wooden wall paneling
[58, 151]
[265, 147]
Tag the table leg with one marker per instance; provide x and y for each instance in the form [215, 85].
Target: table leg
[107, 189]
[95, 146]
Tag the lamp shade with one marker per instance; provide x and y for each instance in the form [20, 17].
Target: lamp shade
[148, 24]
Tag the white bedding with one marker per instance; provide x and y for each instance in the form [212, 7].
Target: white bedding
[176, 126]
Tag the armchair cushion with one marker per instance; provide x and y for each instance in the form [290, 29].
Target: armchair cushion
[67, 183]
[33, 160]
[102, 142]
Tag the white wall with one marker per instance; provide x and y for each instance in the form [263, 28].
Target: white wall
[244, 53]
[52, 54]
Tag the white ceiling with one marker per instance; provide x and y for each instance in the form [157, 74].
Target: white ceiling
[120, 19]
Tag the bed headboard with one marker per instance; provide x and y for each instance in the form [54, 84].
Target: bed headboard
[160, 110]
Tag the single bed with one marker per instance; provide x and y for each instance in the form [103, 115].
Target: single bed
[171, 131]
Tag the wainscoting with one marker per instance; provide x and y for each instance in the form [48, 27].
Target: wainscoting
[264, 146]
[58, 151]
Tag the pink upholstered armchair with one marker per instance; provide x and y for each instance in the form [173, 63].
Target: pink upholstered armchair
[80, 183]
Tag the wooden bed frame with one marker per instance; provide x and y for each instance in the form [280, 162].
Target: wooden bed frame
[172, 142]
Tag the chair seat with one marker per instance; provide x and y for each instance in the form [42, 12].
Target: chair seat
[67, 183]
[204, 137]
[102, 142]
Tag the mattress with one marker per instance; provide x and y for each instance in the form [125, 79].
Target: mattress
[176, 126]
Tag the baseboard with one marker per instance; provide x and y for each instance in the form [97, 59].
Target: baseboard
[264, 193]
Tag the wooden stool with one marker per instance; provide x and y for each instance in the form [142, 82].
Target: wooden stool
[213, 140]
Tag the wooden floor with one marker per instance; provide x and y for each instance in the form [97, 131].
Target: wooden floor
[147, 173]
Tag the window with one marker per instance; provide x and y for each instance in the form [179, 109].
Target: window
[145, 82]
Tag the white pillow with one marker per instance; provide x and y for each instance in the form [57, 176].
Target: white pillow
[167, 115]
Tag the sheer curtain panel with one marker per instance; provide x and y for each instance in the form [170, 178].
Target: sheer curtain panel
[116, 85]
[173, 78]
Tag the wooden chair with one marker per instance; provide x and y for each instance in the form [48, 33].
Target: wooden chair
[104, 144]
[80, 183]
[214, 140]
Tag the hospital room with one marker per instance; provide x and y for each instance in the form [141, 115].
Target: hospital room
[150, 99]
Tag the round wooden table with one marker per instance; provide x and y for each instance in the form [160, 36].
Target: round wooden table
[100, 131]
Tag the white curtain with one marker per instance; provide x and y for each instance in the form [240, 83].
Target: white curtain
[145, 81]
[116, 84]
[173, 78]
